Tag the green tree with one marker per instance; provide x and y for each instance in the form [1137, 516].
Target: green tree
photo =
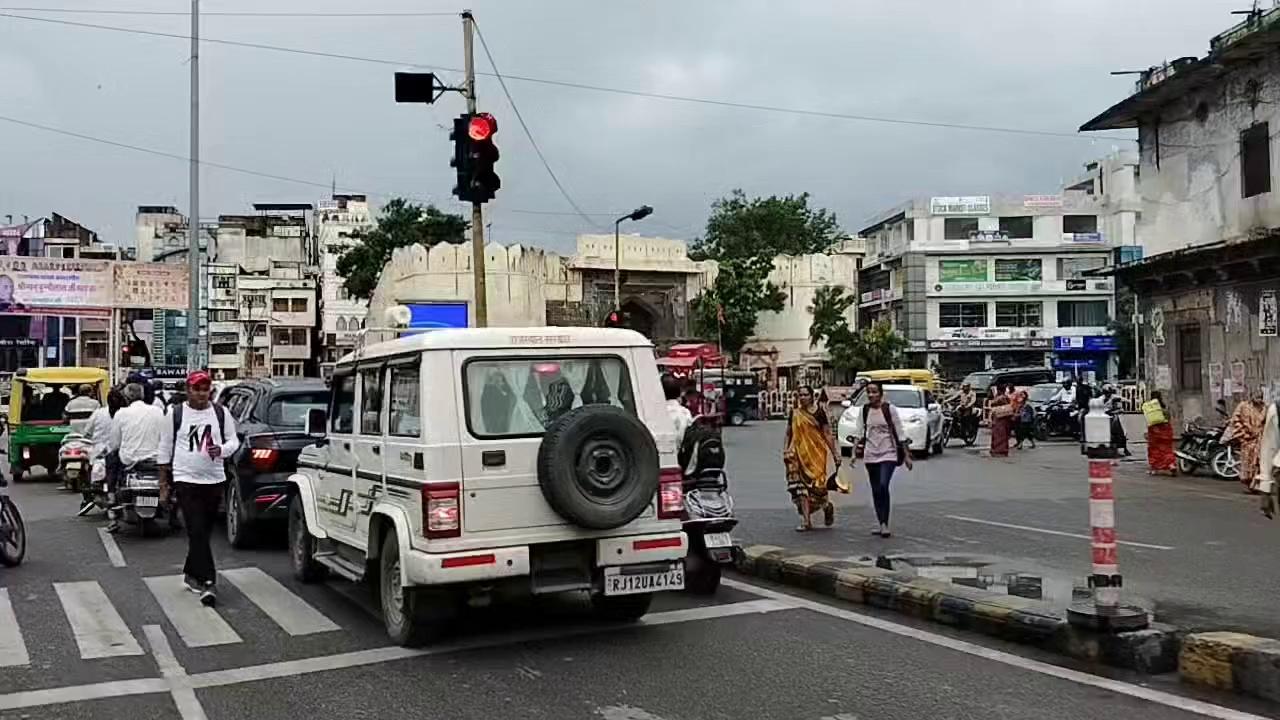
[742, 227]
[744, 235]
[1122, 327]
[874, 348]
[830, 303]
[401, 224]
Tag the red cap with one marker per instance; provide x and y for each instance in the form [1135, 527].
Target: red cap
[198, 377]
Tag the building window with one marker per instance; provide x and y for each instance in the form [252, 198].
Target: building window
[256, 300]
[297, 305]
[1082, 313]
[1017, 227]
[962, 315]
[1189, 360]
[1018, 314]
[223, 349]
[290, 336]
[960, 228]
[1255, 160]
[1018, 270]
[224, 282]
[280, 305]
[1073, 268]
[260, 330]
[1079, 223]
[222, 316]
[286, 369]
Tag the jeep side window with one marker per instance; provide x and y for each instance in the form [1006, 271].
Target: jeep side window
[404, 419]
[344, 402]
[371, 401]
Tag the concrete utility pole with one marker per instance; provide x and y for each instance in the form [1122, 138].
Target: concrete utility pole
[193, 222]
[477, 212]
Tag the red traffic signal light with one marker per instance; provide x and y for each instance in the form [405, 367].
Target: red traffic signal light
[482, 127]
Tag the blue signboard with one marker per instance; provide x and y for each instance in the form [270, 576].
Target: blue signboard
[1074, 365]
[1085, 343]
[437, 316]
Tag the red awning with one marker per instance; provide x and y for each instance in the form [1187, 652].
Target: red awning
[684, 363]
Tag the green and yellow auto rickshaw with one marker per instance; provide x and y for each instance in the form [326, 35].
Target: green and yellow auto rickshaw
[37, 422]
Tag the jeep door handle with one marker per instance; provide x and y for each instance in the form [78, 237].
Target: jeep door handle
[346, 446]
[377, 450]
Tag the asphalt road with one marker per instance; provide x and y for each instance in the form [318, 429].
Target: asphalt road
[86, 636]
[1196, 548]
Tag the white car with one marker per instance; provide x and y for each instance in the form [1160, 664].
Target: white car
[920, 412]
[458, 463]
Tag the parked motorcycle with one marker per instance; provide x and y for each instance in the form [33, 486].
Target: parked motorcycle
[1057, 419]
[1202, 446]
[138, 498]
[13, 533]
[708, 507]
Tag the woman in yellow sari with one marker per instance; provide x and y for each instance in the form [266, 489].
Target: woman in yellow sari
[809, 443]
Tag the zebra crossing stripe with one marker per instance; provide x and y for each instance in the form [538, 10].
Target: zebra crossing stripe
[288, 610]
[13, 651]
[197, 625]
[98, 629]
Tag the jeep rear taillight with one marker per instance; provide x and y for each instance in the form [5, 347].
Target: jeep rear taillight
[441, 510]
[670, 494]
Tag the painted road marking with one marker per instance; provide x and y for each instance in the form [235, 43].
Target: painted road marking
[289, 611]
[1046, 531]
[1136, 691]
[13, 651]
[197, 625]
[184, 697]
[113, 550]
[360, 658]
[99, 630]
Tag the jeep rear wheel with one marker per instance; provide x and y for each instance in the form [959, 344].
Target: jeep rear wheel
[598, 467]
[413, 616]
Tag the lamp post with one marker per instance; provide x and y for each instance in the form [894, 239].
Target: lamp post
[639, 213]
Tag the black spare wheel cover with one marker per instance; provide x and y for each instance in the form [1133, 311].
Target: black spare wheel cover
[598, 467]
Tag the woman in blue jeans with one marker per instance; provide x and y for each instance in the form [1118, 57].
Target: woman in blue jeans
[882, 450]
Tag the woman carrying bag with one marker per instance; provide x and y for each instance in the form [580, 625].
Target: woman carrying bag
[882, 450]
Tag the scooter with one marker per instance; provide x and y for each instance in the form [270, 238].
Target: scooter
[138, 498]
[74, 463]
[13, 533]
[708, 512]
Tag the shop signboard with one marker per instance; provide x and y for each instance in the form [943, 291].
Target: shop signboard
[970, 205]
[985, 343]
[1042, 201]
[159, 286]
[1091, 238]
[962, 271]
[50, 286]
[1015, 287]
[1085, 343]
[1268, 322]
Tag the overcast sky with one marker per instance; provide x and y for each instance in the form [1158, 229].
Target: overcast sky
[1033, 64]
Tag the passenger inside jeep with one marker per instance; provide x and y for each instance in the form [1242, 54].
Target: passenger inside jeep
[523, 397]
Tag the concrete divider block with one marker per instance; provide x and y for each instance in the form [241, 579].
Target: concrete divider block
[1232, 661]
[919, 596]
[761, 560]
[794, 569]
[824, 576]
[851, 583]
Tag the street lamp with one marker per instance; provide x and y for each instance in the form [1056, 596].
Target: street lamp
[639, 213]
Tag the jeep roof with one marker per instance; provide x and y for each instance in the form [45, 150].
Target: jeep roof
[497, 338]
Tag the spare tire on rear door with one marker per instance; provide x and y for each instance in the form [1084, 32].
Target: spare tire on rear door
[598, 467]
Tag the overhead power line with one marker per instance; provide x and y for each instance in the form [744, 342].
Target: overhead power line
[231, 13]
[527, 132]
[596, 88]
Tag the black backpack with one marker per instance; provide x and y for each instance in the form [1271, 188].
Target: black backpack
[218, 410]
[704, 447]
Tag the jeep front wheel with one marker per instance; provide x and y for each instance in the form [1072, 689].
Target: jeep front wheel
[413, 616]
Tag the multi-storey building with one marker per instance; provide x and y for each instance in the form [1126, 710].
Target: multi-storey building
[995, 281]
[338, 221]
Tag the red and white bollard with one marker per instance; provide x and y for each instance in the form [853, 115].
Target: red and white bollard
[1105, 612]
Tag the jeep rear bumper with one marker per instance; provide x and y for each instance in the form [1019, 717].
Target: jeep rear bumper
[422, 568]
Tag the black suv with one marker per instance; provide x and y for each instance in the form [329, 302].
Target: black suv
[271, 417]
[982, 380]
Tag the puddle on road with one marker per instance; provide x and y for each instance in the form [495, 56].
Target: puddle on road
[998, 575]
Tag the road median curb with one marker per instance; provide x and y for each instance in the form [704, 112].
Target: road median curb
[1232, 661]
[1009, 617]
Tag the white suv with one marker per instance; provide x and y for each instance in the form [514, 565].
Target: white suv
[456, 463]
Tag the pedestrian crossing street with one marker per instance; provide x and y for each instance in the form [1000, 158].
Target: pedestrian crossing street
[100, 631]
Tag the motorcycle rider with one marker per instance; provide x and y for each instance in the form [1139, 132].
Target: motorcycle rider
[136, 433]
[681, 418]
[80, 407]
[966, 408]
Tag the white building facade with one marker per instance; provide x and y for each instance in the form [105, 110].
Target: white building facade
[986, 281]
[338, 221]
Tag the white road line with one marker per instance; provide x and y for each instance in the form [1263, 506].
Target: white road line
[197, 625]
[99, 630]
[13, 651]
[289, 611]
[113, 550]
[236, 676]
[184, 697]
[1143, 693]
[1046, 531]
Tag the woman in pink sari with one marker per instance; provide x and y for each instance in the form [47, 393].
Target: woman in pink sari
[1001, 420]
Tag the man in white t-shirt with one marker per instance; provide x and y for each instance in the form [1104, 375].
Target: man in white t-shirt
[199, 438]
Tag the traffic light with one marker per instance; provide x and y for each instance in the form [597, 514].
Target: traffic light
[474, 157]
[616, 319]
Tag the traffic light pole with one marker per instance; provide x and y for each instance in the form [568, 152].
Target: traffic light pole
[477, 212]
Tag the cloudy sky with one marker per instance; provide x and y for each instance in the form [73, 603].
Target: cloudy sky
[1030, 64]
